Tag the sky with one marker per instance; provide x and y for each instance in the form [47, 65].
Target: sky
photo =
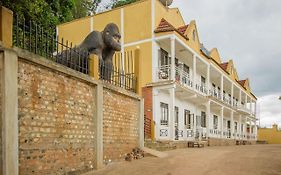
[249, 32]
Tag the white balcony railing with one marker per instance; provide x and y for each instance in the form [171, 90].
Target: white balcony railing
[163, 73]
[183, 77]
[201, 89]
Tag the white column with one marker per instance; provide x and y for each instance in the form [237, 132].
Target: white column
[255, 109]
[240, 97]
[208, 117]
[173, 57]
[246, 99]
[194, 72]
[240, 124]
[232, 101]
[194, 122]
[221, 88]
[172, 113]
[251, 103]
[231, 124]
[222, 128]
[208, 79]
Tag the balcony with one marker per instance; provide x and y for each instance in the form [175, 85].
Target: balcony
[215, 93]
[201, 88]
[182, 77]
[242, 108]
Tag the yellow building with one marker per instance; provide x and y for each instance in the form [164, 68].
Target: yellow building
[270, 135]
[189, 92]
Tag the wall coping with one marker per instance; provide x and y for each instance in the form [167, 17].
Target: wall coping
[42, 61]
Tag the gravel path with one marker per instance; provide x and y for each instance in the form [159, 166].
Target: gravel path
[225, 160]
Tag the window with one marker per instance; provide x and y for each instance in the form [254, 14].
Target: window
[164, 58]
[193, 35]
[203, 119]
[164, 114]
[186, 68]
[215, 122]
[176, 115]
[214, 86]
[228, 124]
[242, 126]
[187, 119]
[235, 126]
[203, 81]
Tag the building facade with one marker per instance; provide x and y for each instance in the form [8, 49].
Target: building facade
[270, 135]
[189, 93]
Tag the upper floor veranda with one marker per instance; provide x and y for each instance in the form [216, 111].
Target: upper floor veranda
[175, 62]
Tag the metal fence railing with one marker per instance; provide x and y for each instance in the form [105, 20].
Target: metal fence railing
[44, 42]
[114, 75]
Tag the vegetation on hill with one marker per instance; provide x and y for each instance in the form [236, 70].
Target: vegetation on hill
[51, 12]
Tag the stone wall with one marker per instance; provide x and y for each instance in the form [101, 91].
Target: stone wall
[56, 128]
[120, 125]
[221, 142]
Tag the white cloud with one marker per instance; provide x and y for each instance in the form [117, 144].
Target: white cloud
[270, 110]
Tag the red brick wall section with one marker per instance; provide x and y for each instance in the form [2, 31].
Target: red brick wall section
[147, 95]
[1, 74]
[120, 125]
[56, 128]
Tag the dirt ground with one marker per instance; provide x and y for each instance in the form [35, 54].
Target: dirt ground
[226, 160]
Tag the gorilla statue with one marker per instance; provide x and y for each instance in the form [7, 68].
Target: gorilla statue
[103, 44]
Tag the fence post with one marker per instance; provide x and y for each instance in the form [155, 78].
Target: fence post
[141, 123]
[98, 120]
[9, 116]
[137, 70]
[6, 27]
[94, 66]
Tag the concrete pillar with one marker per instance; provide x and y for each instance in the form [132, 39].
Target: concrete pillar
[172, 113]
[94, 66]
[194, 73]
[6, 27]
[221, 88]
[137, 70]
[9, 90]
[208, 117]
[222, 128]
[173, 57]
[141, 123]
[98, 119]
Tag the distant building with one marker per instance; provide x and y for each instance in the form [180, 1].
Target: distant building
[270, 135]
[189, 93]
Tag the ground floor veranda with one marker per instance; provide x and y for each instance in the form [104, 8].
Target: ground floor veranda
[182, 115]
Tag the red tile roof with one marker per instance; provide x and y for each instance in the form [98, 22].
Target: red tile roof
[242, 82]
[165, 26]
[224, 65]
[182, 29]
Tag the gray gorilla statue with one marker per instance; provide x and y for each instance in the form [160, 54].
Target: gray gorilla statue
[103, 44]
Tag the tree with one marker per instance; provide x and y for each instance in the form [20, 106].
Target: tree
[51, 12]
[120, 3]
[84, 8]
